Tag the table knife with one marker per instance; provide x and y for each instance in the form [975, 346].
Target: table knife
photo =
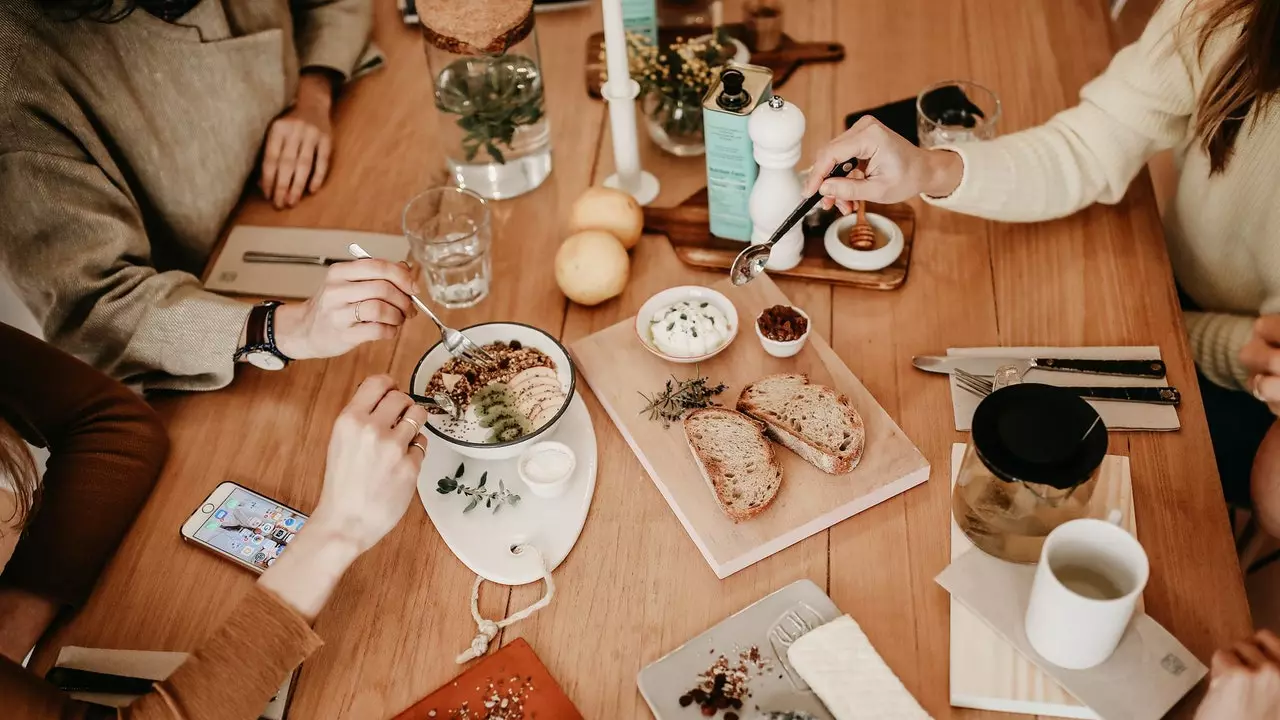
[986, 366]
[257, 256]
[1151, 395]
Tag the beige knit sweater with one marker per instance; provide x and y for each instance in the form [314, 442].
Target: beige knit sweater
[1223, 231]
[124, 148]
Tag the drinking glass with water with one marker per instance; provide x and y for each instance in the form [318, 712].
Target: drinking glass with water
[956, 111]
[449, 233]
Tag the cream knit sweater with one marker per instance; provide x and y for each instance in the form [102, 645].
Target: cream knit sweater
[1223, 231]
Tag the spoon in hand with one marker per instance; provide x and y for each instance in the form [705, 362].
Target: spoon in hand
[751, 261]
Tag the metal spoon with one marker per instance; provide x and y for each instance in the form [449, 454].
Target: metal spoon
[751, 261]
[440, 400]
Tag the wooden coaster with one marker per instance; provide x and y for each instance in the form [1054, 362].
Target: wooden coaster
[687, 227]
[513, 674]
[782, 60]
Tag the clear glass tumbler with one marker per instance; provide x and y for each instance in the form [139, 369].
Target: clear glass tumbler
[449, 232]
[956, 111]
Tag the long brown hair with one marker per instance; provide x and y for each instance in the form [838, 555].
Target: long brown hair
[18, 469]
[1247, 78]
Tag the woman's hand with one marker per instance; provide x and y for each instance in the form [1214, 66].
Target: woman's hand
[892, 169]
[295, 156]
[375, 454]
[360, 301]
[1245, 682]
[372, 468]
[1261, 355]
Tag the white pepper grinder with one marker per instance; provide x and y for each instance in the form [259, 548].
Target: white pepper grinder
[776, 129]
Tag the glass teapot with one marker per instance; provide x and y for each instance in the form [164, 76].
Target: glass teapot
[1031, 465]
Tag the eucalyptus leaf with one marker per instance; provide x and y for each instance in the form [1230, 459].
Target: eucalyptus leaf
[471, 505]
[484, 478]
[462, 468]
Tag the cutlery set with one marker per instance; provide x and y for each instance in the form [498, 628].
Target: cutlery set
[976, 375]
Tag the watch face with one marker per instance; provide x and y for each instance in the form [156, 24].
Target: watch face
[264, 360]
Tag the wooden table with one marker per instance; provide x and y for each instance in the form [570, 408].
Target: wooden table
[635, 587]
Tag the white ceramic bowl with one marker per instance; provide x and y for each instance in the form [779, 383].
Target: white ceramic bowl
[670, 296]
[543, 488]
[789, 348]
[484, 334]
[866, 260]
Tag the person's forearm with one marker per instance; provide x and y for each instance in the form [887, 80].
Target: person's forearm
[316, 88]
[309, 569]
[946, 170]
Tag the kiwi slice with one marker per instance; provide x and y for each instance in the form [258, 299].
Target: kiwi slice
[510, 428]
[497, 414]
[489, 393]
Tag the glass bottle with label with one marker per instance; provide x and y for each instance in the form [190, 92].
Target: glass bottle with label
[1031, 465]
[490, 94]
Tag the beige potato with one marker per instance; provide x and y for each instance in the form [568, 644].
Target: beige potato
[591, 267]
[613, 211]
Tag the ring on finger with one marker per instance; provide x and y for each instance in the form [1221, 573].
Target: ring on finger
[358, 318]
[416, 425]
[420, 446]
[1255, 388]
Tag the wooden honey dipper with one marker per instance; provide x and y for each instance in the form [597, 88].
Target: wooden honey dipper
[862, 236]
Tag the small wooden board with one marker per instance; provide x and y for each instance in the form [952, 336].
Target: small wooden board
[987, 673]
[619, 368]
[513, 666]
[687, 226]
[782, 60]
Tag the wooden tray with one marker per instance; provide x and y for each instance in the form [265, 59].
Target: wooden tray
[543, 698]
[783, 60]
[987, 673]
[687, 225]
[619, 368]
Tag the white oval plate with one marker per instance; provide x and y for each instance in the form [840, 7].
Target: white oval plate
[481, 539]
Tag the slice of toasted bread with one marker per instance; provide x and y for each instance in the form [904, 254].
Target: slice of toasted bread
[813, 421]
[736, 460]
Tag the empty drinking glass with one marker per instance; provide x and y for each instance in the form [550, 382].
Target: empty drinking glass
[449, 236]
[956, 111]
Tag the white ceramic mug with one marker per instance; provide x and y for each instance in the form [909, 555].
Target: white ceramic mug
[1087, 584]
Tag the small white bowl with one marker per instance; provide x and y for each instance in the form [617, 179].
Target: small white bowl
[789, 348]
[541, 487]
[865, 260]
[670, 296]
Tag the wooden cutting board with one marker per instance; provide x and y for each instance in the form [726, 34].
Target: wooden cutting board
[513, 673]
[619, 368]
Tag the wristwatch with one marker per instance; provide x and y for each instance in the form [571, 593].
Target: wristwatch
[260, 348]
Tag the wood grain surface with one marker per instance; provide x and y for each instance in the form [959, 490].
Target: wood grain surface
[634, 588]
[619, 369]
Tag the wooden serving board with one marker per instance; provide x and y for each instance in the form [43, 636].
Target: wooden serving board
[782, 60]
[619, 368]
[987, 673]
[687, 226]
[515, 667]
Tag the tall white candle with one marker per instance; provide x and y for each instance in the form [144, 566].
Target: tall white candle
[615, 45]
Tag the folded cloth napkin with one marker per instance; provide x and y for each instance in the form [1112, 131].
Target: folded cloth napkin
[231, 275]
[1116, 415]
[839, 663]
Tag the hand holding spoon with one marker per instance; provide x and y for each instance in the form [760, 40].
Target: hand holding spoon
[751, 261]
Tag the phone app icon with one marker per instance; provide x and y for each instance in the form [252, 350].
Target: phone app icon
[259, 557]
[247, 551]
[220, 514]
[266, 527]
[232, 503]
[280, 534]
[256, 540]
[290, 538]
[271, 561]
[298, 527]
[211, 525]
[255, 522]
[288, 522]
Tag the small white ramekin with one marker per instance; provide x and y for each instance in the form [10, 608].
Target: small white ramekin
[789, 348]
[544, 488]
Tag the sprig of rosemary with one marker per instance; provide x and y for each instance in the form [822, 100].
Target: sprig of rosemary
[492, 106]
[679, 397]
[492, 498]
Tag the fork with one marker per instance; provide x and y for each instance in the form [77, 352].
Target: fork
[983, 387]
[458, 345]
[789, 628]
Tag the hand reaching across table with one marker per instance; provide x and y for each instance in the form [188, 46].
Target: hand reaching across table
[1245, 681]
[295, 156]
[892, 169]
[360, 301]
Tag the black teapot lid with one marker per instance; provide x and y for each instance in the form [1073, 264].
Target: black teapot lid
[1039, 434]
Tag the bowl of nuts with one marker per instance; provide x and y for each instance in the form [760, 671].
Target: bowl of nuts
[783, 330]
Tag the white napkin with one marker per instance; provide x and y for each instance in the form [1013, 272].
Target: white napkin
[1116, 415]
[233, 276]
[843, 668]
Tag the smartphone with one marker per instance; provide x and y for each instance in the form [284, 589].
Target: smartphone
[243, 526]
[899, 117]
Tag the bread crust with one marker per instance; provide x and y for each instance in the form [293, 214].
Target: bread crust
[832, 463]
[712, 473]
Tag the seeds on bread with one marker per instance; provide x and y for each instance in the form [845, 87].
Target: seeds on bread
[735, 459]
[813, 421]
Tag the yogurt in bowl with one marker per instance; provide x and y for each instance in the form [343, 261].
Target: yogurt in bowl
[687, 324]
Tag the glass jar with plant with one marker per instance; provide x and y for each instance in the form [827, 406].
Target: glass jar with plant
[673, 80]
[489, 92]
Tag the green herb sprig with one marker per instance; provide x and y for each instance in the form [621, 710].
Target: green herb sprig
[492, 106]
[678, 397]
[494, 499]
